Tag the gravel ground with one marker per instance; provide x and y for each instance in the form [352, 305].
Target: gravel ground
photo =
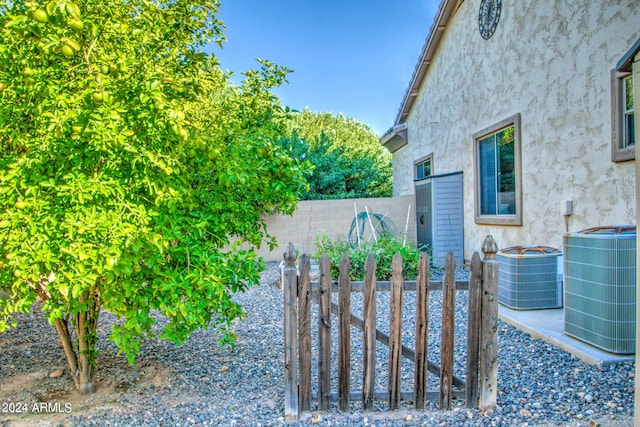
[203, 384]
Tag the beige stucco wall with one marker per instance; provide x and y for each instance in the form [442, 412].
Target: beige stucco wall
[550, 61]
[334, 217]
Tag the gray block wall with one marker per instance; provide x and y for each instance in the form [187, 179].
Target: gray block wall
[334, 217]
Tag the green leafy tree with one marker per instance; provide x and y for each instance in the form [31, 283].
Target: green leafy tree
[348, 160]
[133, 176]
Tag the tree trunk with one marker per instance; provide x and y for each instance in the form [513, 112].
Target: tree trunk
[86, 353]
[81, 355]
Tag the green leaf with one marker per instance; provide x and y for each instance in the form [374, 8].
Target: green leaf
[63, 288]
[72, 9]
[51, 7]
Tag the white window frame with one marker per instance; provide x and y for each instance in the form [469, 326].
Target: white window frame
[428, 159]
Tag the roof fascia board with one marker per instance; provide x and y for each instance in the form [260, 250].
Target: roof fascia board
[625, 62]
[445, 11]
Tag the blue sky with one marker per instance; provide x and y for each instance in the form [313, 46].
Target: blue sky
[354, 57]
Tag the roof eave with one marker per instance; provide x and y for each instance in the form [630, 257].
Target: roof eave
[441, 20]
[395, 138]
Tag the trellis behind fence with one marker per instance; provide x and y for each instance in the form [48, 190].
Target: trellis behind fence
[478, 388]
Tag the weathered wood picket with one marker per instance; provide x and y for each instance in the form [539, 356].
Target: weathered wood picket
[478, 389]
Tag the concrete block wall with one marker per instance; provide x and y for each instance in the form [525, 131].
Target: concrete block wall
[334, 217]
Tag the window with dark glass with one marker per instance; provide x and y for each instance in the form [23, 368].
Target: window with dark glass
[423, 168]
[497, 167]
[628, 136]
[623, 133]
[497, 173]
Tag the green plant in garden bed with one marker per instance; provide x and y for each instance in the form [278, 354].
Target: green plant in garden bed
[384, 248]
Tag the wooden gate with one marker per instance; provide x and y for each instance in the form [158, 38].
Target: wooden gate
[478, 388]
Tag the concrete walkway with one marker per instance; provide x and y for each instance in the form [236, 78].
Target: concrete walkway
[548, 326]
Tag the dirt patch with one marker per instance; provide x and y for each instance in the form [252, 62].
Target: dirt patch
[37, 389]
[35, 398]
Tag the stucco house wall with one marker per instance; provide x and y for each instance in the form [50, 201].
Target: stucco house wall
[549, 61]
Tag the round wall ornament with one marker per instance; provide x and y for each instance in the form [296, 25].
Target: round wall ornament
[488, 17]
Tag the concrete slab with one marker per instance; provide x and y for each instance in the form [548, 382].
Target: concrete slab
[548, 326]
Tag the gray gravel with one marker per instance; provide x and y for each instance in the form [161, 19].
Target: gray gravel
[203, 384]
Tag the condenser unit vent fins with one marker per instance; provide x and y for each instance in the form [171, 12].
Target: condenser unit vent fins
[600, 287]
[528, 277]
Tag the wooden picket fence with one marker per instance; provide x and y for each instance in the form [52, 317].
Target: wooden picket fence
[478, 388]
